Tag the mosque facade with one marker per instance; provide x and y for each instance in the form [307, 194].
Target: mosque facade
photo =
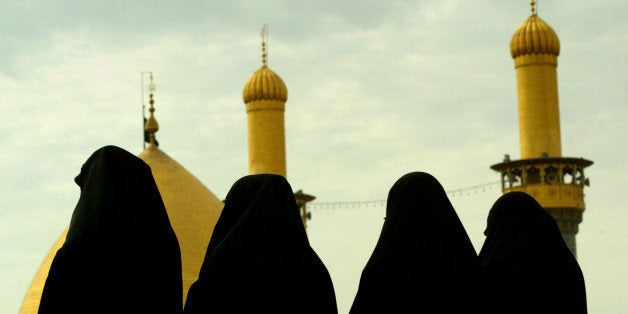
[556, 182]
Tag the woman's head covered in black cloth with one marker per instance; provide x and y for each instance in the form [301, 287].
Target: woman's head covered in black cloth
[526, 265]
[120, 253]
[259, 259]
[423, 260]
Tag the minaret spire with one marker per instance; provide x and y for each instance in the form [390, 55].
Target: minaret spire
[533, 7]
[151, 127]
[264, 33]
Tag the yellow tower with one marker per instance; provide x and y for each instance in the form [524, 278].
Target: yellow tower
[192, 209]
[265, 96]
[556, 182]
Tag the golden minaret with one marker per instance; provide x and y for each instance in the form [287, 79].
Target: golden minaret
[265, 96]
[556, 182]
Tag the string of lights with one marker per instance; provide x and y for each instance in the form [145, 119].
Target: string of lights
[462, 192]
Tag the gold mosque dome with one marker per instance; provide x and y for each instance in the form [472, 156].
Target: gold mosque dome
[534, 36]
[192, 209]
[264, 84]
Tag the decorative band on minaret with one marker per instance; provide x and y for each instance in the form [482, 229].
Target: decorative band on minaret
[265, 96]
[556, 182]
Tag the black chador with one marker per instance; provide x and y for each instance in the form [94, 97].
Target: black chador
[120, 255]
[259, 259]
[424, 261]
[526, 265]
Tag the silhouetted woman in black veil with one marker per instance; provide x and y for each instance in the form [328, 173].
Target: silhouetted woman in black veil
[526, 265]
[259, 259]
[424, 261]
[120, 254]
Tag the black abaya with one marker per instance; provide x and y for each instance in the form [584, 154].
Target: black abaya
[424, 261]
[120, 255]
[259, 259]
[526, 265]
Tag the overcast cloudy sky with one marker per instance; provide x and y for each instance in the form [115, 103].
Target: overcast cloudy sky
[376, 89]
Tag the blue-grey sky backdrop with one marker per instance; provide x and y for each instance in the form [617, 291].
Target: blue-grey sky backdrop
[376, 89]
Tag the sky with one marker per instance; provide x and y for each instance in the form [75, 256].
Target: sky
[376, 89]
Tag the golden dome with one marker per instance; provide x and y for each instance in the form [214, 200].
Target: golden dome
[264, 84]
[534, 36]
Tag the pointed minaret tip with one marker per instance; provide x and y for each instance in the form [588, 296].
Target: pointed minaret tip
[264, 33]
[151, 127]
[533, 7]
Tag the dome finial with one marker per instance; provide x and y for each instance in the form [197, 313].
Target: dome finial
[264, 33]
[533, 7]
[151, 127]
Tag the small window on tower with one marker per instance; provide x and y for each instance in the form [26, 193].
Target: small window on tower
[551, 175]
[533, 175]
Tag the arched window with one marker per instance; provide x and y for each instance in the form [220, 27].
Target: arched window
[533, 175]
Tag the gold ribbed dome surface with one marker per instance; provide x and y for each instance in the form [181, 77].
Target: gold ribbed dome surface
[264, 84]
[192, 209]
[534, 36]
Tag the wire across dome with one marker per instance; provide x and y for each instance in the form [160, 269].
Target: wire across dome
[534, 36]
[264, 84]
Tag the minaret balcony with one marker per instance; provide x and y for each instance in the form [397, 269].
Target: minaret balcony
[553, 181]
